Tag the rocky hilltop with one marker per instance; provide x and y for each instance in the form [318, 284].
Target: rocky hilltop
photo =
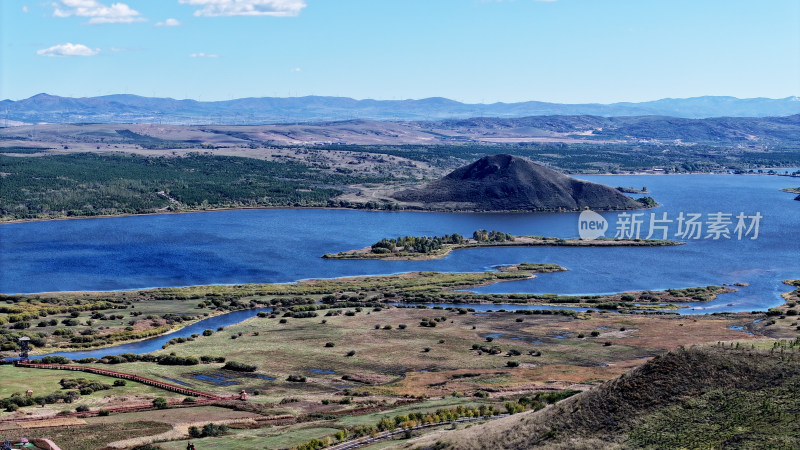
[510, 183]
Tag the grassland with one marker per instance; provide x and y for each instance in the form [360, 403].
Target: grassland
[283, 437]
[432, 361]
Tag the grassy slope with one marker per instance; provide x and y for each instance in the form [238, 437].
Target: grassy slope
[700, 397]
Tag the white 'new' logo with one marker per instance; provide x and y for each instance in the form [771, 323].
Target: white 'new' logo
[591, 225]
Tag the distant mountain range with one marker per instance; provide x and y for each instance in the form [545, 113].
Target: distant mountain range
[266, 110]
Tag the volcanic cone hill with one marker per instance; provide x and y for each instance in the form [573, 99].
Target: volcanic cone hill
[510, 183]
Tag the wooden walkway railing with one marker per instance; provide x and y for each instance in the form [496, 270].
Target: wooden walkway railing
[126, 376]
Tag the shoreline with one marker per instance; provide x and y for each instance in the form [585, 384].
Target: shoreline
[247, 208]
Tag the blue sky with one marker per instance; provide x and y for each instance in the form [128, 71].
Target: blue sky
[478, 51]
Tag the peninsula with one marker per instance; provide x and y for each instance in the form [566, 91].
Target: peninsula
[417, 248]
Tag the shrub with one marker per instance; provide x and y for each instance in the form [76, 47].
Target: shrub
[607, 343]
[239, 367]
[595, 333]
[120, 383]
[160, 403]
[426, 349]
[103, 412]
[173, 360]
[512, 363]
[208, 332]
[351, 353]
[55, 360]
[402, 326]
[296, 378]
[329, 344]
[283, 321]
[82, 408]
[210, 430]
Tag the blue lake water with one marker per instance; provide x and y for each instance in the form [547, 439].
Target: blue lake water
[265, 246]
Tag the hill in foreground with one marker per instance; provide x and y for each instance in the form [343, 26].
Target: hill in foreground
[510, 183]
[689, 398]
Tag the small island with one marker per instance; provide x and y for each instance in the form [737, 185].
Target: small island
[418, 248]
[793, 191]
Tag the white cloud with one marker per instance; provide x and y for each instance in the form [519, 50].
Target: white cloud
[276, 8]
[25, 8]
[97, 12]
[203, 55]
[68, 49]
[297, 69]
[169, 23]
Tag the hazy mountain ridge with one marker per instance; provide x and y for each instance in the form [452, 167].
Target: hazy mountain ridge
[125, 108]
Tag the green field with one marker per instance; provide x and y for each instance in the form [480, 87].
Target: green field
[264, 438]
[42, 382]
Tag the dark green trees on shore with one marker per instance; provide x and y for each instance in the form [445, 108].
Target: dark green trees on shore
[416, 244]
[426, 244]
